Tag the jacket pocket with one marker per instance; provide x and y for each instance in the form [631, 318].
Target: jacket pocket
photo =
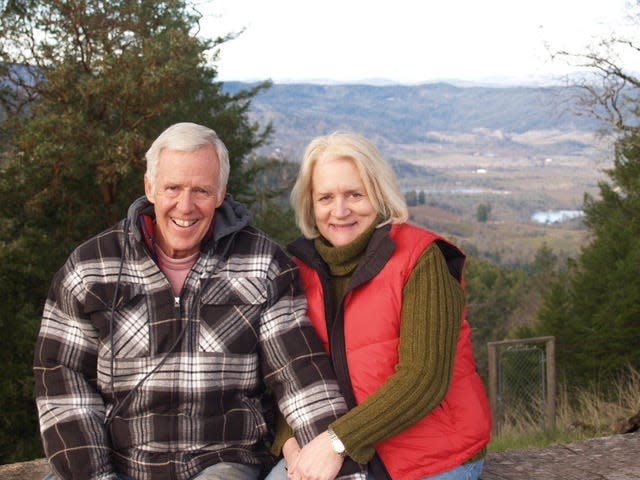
[123, 327]
[230, 313]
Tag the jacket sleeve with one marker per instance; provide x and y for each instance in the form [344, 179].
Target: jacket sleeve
[71, 410]
[295, 365]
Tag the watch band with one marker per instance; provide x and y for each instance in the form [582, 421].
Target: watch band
[336, 443]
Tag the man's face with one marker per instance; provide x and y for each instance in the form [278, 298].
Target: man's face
[185, 198]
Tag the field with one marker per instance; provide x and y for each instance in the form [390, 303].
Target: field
[513, 183]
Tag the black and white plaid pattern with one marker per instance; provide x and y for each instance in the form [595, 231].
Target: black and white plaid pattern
[159, 389]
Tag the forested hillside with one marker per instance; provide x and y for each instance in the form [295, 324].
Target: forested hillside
[516, 151]
[429, 113]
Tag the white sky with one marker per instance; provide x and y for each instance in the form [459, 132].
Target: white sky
[408, 41]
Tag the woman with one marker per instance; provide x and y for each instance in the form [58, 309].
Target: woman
[387, 300]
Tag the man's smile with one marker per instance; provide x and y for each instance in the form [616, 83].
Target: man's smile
[184, 223]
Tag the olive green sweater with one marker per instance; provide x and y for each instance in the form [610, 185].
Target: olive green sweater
[430, 321]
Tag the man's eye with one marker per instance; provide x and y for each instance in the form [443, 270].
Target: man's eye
[203, 192]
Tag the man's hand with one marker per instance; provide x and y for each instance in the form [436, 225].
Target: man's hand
[290, 451]
[316, 461]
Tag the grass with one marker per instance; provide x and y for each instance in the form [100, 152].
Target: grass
[514, 242]
[588, 413]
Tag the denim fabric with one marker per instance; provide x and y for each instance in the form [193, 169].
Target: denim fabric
[219, 471]
[467, 471]
[51, 476]
[229, 471]
[279, 472]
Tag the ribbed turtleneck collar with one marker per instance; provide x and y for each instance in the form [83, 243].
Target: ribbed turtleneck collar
[343, 260]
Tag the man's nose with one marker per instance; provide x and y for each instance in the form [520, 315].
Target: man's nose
[185, 201]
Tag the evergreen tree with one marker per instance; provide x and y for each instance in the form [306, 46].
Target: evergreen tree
[494, 294]
[273, 180]
[85, 87]
[411, 198]
[594, 310]
[483, 212]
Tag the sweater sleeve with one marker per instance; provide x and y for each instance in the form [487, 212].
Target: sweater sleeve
[283, 432]
[433, 302]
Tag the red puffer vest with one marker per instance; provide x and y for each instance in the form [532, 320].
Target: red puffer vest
[364, 350]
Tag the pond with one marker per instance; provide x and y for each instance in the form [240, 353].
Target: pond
[556, 216]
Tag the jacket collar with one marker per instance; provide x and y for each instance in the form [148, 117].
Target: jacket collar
[377, 253]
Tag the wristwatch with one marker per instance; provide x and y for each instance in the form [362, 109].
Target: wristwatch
[336, 443]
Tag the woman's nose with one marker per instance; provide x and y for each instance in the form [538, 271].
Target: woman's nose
[341, 208]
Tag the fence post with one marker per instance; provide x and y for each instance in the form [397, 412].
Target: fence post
[493, 384]
[551, 381]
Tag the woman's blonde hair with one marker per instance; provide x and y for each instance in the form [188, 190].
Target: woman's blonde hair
[377, 176]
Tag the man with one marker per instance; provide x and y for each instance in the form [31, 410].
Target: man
[161, 335]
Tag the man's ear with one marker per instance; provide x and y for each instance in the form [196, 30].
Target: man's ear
[148, 189]
[221, 197]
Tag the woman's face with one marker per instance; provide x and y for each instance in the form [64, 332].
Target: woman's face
[341, 206]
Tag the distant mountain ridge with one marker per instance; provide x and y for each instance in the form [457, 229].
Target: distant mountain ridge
[414, 114]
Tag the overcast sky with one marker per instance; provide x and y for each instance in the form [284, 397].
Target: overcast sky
[408, 41]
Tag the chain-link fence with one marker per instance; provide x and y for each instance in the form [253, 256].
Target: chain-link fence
[522, 379]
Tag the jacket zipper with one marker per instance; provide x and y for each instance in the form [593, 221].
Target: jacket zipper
[176, 307]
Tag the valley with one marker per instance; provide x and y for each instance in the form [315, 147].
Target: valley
[515, 186]
[515, 151]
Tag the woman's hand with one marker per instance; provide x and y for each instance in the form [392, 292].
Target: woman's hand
[316, 461]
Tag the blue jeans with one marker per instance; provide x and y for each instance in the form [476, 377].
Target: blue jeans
[229, 471]
[466, 471]
[219, 471]
[52, 476]
[279, 472]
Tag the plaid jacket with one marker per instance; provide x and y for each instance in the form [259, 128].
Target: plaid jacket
[130, 379]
